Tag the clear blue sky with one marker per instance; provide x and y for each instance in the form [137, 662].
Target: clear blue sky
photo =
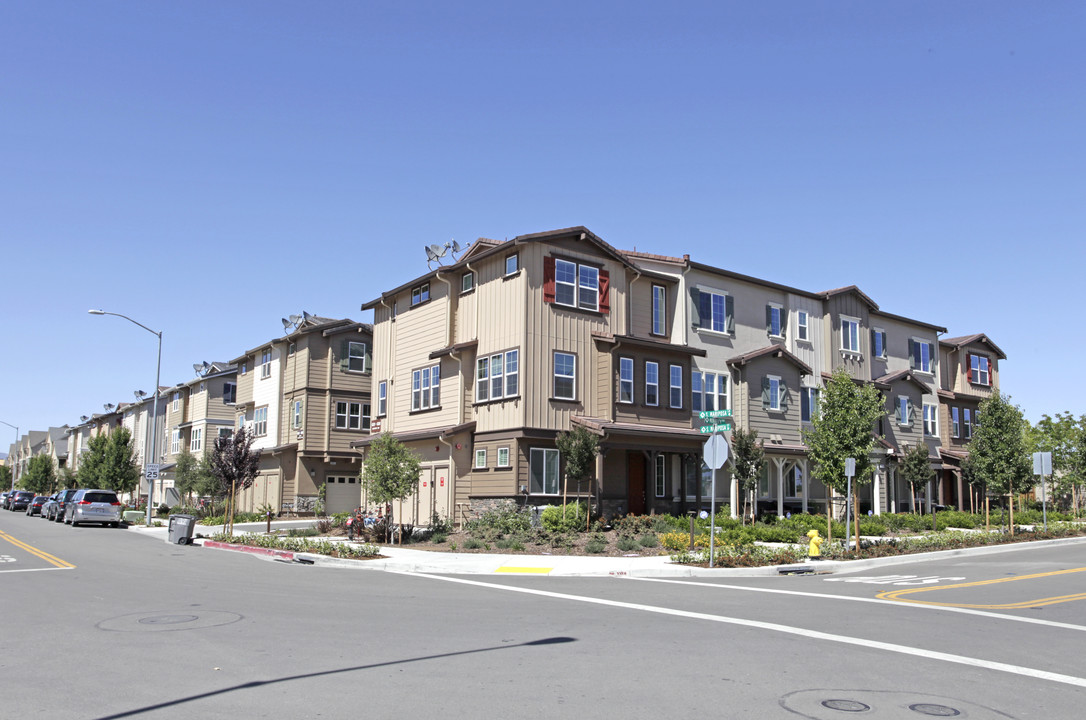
[209, 167]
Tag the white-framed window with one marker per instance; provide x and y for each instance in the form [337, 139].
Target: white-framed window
[565, 376]
[356, 356]
[661, 475]
[196, 440]
[382, 398]
[225, 432]
[709, 391]
[480, 458]
[793, 482]
[659, 310]
[512, 263]
[426, 388]
[503, 457]
[878, 343]
[625, 380]
[968, 423]
[467, 282]
[175, 442]
[904, 410]
[290, 349]
[803, 323]
[955, 423]
[260, 421]
[850, 334]
[979, 370]
[774, 320]
[497, 376]
[241, 421]
[543, 473]
[420, 294]
[931, 420]
[675, 386]
[774, 394]
[652, 383]
[296, 415]
[244, 368]
[716, 311]
[348, 415]
[576, 285]
[922, 355]
[229, 392]
[176, 401]
[808, 404]
[265, 363]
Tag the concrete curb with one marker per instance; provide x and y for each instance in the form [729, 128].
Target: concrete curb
[265, 552]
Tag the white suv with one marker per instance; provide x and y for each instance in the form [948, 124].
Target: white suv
[93, 506]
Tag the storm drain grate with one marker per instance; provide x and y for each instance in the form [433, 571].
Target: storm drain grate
[934, 710]
[846, 705]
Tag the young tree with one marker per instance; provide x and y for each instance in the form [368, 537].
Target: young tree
[234, 465]
[1062, 436]
[916, 469]
[578, 448]
[5, 477]
[998, 452]
[748, 461]
[110, 463]
[193, 475]
[391, 472]
[66, 478]
[41, 476]
[842, 429]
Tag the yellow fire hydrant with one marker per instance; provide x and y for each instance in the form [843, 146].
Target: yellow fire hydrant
[813, 551]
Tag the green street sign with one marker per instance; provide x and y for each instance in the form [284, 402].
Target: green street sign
[708, 414]
[722, 427]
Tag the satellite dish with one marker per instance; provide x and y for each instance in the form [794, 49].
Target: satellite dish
[108, 406]
[197, 367]
[306, 316]
[430, 254]
[83, 418]
[139, 394]
[295, 319]
[286, 323]
[456, 247]
[438, 250]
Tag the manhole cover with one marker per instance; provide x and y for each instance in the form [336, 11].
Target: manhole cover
[845, 705]
[934, 710]
[167, 619]
[168, 622]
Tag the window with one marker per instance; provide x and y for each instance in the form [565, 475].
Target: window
[229, 392]
[356, 356]
[175, 442]
[931, 428]
[921, 354]
[904, 410]
[512, 263]
[850, 335]
[265, 364]
[774, 320]
[296, 415]
[968, 424]
[241, 422]
[348, 415]
[176, 401]
[544, 471]
[196, 442]
[244, 368]
[774, 394]
[716, 310]
[878, 343]
[365, 416]
[652, 383]
[625, 380]
[676, 386]
[382, 398]
[420, 294]
[467, 282]
[955, 423]
[793, 482]
[225, 432]
[290, 349]
[659, 310]
[260, 421]
[808, 404]
[661, 475]
[708, 391]
[576, 285]
[803, 325]
[480, 458]
[503, 457]
[426, 388]
[979, 371]
[565, 374]
[497, 376]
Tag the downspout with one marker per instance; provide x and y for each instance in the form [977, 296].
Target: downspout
[388, 364]
[681, 300]
[452, 478]
[733, 494]
[448, 309]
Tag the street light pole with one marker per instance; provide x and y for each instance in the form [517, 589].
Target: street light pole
[16, 450]
[154, 404]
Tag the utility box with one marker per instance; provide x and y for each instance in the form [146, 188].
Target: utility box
[181, 527]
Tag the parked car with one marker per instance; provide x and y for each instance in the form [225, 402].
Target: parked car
[93, 506]
[20, 500]
[34, 508]
[63, 498]
[4, 498]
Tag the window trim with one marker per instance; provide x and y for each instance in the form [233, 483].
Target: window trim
[544, 453]
[420, 294]
[658, 320]
[803, 325]
[623, 363]
[855, 322]
[555, 376]
[428, 397]
[672, 387]
[480, 453]
[484, 383]
[498, 457]
[382, 398]
[653, 399]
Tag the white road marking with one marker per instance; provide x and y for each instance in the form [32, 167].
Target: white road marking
[893, 579]
[776, 627]
[36, 569]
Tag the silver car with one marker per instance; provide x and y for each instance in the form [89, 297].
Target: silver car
[94, 506]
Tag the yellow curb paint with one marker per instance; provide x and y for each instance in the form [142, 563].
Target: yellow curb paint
[896, 595]
[530, 570]
[52, 560]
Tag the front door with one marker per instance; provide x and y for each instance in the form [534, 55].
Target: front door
[635, 474]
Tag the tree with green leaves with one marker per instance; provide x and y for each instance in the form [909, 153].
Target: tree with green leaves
[1062, 436]
[916, 469]
[390, 472]
[578, 448]
[40, 477]
[998, 453]
[110, 463]
[844, 428]
[193, 476]
[5, 477]
[234, 465]
[66, 478]
[748, 462]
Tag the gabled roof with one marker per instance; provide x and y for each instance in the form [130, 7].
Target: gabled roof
[350, 327]
[771, 351]
[311, 323]
[827, 294]
[900, 375]
[959, 342]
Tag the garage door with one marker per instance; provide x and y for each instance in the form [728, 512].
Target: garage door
[343, 494]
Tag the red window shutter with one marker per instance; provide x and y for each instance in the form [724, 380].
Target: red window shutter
[548, 279]
[969, 368]
[605, 296]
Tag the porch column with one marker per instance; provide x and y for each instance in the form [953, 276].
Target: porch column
[779, 462]
[806, 483]
[961, 496]
[733, 495]
[875, 485]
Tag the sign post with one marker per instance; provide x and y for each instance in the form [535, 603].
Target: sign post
[1042, 465]
[850, 471]
[715, 454]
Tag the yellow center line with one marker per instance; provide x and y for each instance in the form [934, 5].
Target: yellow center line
[51, 559]
[896, 595]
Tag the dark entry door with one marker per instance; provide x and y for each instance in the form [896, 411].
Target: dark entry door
[635, 474]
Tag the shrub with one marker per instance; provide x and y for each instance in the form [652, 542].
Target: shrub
[473, 544]
[506, 521]
[872, 527]
[627, 544]
[648, 541]
[669, 523]
[779, 533]
[633, 524]
[438, 538]
[679, 542]
[595, 547]
[307, 545]
[573, 519]
[324, 525]
[302, 532]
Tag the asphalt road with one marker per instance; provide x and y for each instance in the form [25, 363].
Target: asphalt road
[105, 623]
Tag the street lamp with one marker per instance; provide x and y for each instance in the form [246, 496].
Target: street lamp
[154, 411]
[16, 450]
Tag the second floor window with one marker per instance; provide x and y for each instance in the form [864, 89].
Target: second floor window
[904, 410]
[196, 443]
[803, 325]
[565, 376]
[356, 356]
[659, 310]
[808, 404]
[349, 415]
[652, 383]
[497, 376]
[229, 392]
[955, 423]
[921, 353]
[878, 343]
[716, 311]
[625, 380]
[774, 320]
[426, 388]
[296, 415]
[708, 391]
[675, 395]
[850, 335]
[265, 364]
[382, 398]
[931, 426]
[420, 294]
[260, 421]
[979, 371]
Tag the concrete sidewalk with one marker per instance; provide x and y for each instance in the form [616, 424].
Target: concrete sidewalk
[408, 560]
